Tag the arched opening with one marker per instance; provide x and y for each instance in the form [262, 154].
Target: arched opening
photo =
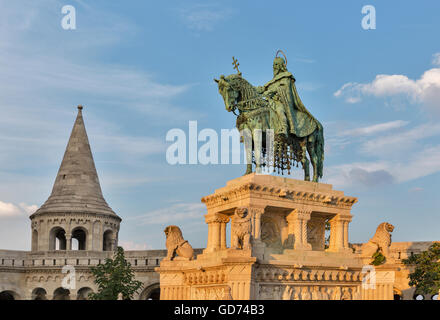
[39, 294]
[435, 297]
[107, 241]
[57, 239]
[79, 237]
[8, 295]
[34, 240]
[61, 294]
[151, 292]
[154, 295]
[83, 293]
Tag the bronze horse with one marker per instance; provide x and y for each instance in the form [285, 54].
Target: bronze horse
[257, 113]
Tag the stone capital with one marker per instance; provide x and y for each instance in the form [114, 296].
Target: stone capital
[341, 218]
[299, 214]
[216, 218]
[256, 210]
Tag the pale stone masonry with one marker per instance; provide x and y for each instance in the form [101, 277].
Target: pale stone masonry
[288, 260]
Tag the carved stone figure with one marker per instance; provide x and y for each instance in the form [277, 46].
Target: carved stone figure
[346, 294]
[305, 294]
[380, 241]
[296, 293]
[324, 294]
[336, 293]
[176, 245]
[287, 293]
[277, 107]
[316, 294]
[241, 229]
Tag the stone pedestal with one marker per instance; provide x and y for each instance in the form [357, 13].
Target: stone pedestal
[288, 258]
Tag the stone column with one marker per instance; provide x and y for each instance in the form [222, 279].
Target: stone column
[223, 236]
[297, 225]
[339, 233]
[256, 213]
[345, 226]
[89, 236]
[216, 232]
[68, 241]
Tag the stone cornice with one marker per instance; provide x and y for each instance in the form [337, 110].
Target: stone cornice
[290, 194]
[75, 214]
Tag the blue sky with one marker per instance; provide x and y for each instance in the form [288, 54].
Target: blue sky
[141, 68]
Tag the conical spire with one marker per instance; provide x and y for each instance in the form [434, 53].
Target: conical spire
[77, 188]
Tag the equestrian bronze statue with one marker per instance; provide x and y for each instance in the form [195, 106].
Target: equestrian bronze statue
[275, 110]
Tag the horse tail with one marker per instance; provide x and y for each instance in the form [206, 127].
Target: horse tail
[319, 147]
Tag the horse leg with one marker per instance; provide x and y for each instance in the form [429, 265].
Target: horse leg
[305, 162]
[247, 140]
[258, 148]
[313, 156]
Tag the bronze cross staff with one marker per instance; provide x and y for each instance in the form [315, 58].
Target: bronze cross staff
[236, 64]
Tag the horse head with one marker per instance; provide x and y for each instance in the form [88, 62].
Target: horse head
[229, 88]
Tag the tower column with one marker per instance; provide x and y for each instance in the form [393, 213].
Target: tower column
[68, 241]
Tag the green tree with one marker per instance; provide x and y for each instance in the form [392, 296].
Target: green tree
[378, 258]
[426, 274]
[113, 277]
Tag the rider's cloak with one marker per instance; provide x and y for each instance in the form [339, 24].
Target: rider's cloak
[300, 121]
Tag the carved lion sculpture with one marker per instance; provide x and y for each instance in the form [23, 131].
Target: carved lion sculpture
[176, 245]
[241, 229]
[380, 241]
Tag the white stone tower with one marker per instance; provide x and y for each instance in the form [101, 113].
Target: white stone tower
[76, 215]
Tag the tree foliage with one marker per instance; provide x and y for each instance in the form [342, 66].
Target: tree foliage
[113, 277]
[378, 258]
[426, 274]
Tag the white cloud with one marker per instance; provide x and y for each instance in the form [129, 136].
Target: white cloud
[413, 166]
[374, 129]
[29, 209]
[425, 90]
[176, 212]
[400, 141]
[338, 137]
[9, 210]
[436, 59]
